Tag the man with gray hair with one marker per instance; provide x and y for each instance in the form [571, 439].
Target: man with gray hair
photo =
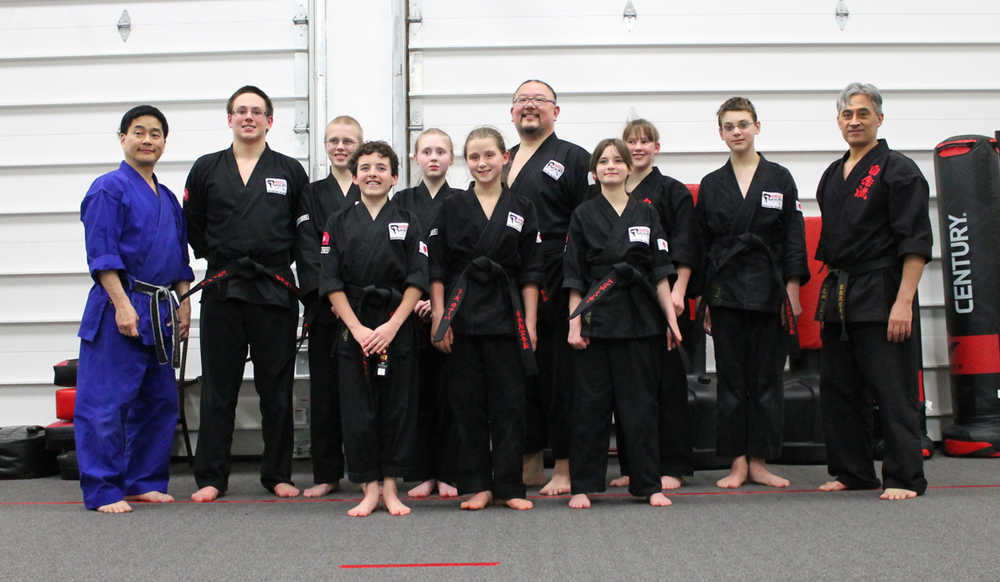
[875, 241]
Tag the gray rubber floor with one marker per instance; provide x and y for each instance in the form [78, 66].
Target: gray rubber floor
[952, 533]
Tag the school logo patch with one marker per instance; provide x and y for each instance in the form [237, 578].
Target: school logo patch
[662, 245]
[276, 186]
[397, 230]
[422, 248]
[798, 206]
[554, 169]
[186, 194]
[538, 238]
[515, 221]
[638, 234]
[301, 219]
[772, 200]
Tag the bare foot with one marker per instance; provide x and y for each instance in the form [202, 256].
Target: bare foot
[422, 490]
[478, 501]
[659, 500]
[534, 470]
[446, 490]
[205, 494]
[579, 501]
[896, 494]
[670, 482]
[151, 497]
[737, 475]
[833, 486]
[559, 484]
[390, 494]
[759, 474]
[116, 507]
[620, 482]
[319, 490]
[286, 490]
[519, 504]
[368, 503]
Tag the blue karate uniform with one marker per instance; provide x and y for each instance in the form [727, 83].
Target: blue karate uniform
[126, 400]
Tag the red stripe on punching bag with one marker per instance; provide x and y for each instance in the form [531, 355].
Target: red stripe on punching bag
[975, 354]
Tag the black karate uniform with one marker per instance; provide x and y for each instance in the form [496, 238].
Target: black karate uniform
[754, 245]
[615, 263]
[435, 445]
[675, 207]
[871, 221]
[373, 262]
[228, 220]
[484, 264]
[555, 180]
[321, 200]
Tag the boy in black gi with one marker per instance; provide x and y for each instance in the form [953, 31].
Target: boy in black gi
[374, 269]
[434, 449]
[875, 242]
[675, 207]
[754, 236]
[240, 204]
[552, 173]
[321, 200]
[615, 254]
[484, 249]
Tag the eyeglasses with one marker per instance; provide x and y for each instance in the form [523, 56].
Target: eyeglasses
[731, 127]
[242, 111]
[536, 99]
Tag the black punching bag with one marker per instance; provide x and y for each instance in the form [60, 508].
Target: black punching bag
[968, 189]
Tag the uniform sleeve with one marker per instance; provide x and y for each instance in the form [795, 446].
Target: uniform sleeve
[195, 205]
[331, 256]
[103, 214]
[307, 244]
[437, 238]
[185, 273]
[530, 249]
[795, 262]
[685, 247]
[909, 218]
[663, 262]
[575, 176]
[820, 188]
[574, 261]
[417, 257]
[703, 232]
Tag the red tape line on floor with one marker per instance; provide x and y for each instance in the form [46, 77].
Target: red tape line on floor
[671, 493]
[428, 565]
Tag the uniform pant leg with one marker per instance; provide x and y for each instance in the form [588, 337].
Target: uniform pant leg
[429, 450]
[325, 437]
[731, 341]
[635, 366]
[111, 370]
[358, 415]
[847, 411]
[591, 417]
[149, 431]
[271, 335]
[223, 342]
[505, 408]
[765, 362]
[399, 402]
[890, 370]
[465, 378]
[674, 416]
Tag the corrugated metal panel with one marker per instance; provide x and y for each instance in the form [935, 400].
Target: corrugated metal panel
[679, 61]
[68, 77]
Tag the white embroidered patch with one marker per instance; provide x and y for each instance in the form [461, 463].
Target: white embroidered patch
[422, 248]
[638, 234]
[662, 245]
[773, 200]
[301, 219]
[434, 232]
[324, 250]
[798, 206]
[538, 238]
[515, 221]
[276, 186]
[554, 169]
[397, 230]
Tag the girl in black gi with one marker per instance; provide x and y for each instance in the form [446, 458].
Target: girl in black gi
[616, 269]
[485, 251]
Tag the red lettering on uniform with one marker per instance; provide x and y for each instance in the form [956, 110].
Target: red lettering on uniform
[545, 296]
[868, 181]
[861, 192]
[282, 280]
[186, 194]
[647, 200]
[874, 170]
[522, 331]
[604, 287]
[454, 303]
[326, 239]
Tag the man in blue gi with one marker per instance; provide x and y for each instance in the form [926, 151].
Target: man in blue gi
[126, 398]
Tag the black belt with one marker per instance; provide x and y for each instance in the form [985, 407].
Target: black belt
[371, 296]
[243, 268]
[842, 275]
[483, 270]
[158, 293]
